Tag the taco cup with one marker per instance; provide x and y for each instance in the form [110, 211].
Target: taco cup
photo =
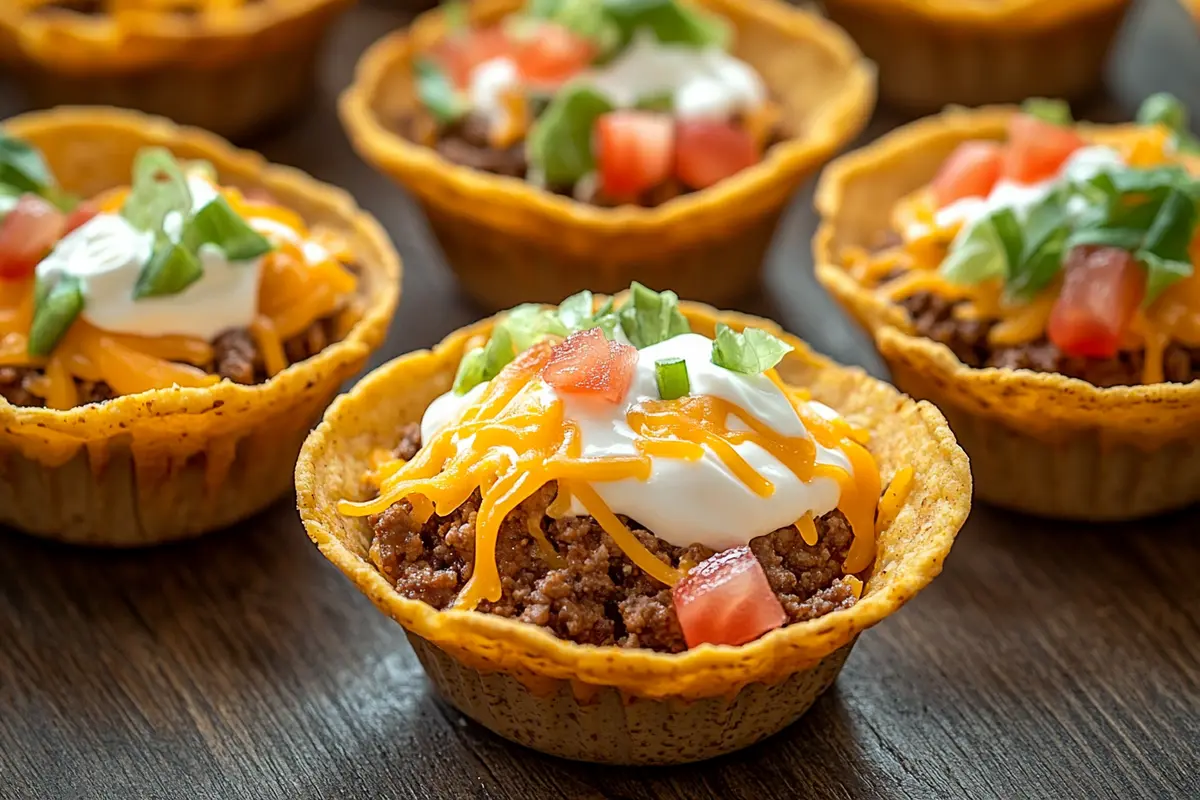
[126, 418]
[510, 240]
[1060, 418]
[972, 52]
[234, 69]
[611, 666]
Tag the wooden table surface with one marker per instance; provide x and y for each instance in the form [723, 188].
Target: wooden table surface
[1048, 660]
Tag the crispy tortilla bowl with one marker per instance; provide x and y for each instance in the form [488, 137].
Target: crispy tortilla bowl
[614, 705]
[971, 52]
[234, 69]
[1039, 442]
[174, 463]
[512, 242]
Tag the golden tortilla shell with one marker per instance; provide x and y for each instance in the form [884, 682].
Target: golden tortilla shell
[511, 242]
[232, 71]
[770, 681]
[1039, 442]
[935, 52]
[173, 463]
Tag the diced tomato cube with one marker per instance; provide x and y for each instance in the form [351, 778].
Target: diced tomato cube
[81, 215]
[1102, 288]
[586, 363]
[460, 53]
[552, 54]
[1036, 149]
[707, 151]
[634, 150]
[727, 599]
[27, 234]
[970, 171]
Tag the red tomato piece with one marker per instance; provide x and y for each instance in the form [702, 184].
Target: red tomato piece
[461, 53]
[727, 599]
[634, 150]
[1036, 149]
[587, 363]
[707, 151]
[27, 234]
[1102, 288]
[970, 171]
[81, 215]
[552, 55]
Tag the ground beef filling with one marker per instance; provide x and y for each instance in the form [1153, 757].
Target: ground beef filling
[466, 143]
[235, 356]
[933, 318]
[599, 597]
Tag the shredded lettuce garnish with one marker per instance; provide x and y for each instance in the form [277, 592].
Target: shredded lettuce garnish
[750, 352]
[1151, 213]
[651, 317]
[1056, 112]
[560, 144]
[671, 22]
[437, 92]
[1166, 110]
[23, 169]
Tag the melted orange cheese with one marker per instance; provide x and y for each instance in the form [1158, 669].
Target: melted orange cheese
[293, 294]
[1173, 317]
[510, 444]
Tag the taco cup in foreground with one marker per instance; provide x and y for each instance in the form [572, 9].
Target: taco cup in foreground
[1063, 349]
[971, 52]
[510, 241]
[232, 68]
[576, 646]
[161, 362]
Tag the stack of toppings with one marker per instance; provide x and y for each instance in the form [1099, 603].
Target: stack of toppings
[1081, 243]
[631, 416]
[616, 101]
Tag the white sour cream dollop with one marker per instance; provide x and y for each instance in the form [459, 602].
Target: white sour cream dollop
[688, 502]
[107, 254]
[1084, 163]
[702, 82]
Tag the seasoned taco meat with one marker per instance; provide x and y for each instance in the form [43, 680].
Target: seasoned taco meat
[597, 595]
[933, 318]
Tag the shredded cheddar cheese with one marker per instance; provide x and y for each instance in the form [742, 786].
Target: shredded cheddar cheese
[295, 291]
[512, 442]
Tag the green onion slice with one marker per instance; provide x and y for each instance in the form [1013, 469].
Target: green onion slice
[171, 269]
[672, 377]
[218, 224]
[57, 305]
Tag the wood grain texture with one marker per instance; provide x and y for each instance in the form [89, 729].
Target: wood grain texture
[1048, 660]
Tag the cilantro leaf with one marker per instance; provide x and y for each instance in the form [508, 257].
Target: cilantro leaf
[649, 317]
[750, 352]
[159, 187]
[438, 93]
[669, 21]
[1043, 245]
[1164, 251]
[560, 144]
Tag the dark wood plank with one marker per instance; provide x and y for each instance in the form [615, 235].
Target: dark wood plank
[1049, 660]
